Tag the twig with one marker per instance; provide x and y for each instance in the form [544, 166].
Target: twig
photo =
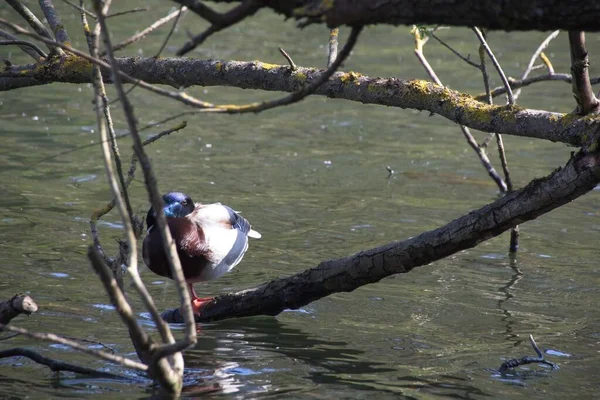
[182, 97]
[56, 365]
[51, 337]
[55, 23]
[534, 57]
[218, 21]
[293, 66]
[496, 64]
[456, 53]
[145, 32]
[35, 23]
[480, 151]
[483, 49]
[126, 215]
[514, 363]
[333, 46]
[97, 214]
[133, 10]
[173, 27]
[516, 83]
[81, 9]
[156, 200]
[298, 95]
[582, 88]
[24, 43]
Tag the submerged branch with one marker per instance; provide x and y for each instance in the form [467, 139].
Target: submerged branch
[15, 306]
[580, 175]
[56, 365]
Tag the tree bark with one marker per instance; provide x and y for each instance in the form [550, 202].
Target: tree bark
[414, 94]
[541, 15]
[580, 175]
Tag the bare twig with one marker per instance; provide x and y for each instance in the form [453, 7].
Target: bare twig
[496, 64]
[22, 44]
[456, 53]
[55, 22]
[534, 57]
[420, 41]
[173, 27]
[510, 364]
[97, 214]
[333, 46]
[156, 200]
[51, 337]
[56, 365]
[517, 83]
[133, 10]
[124, 210]
[293, 66]
[483, 49]
[300, 94]
[182, 97]
[80, 8]
[142, 34]
[218, 21]
[35, 23]
[582, 88]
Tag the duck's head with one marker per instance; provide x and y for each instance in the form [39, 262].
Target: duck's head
[176, 205]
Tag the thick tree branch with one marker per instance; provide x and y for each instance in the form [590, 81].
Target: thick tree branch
[18, 304]
[582, 88]
[580, 175]
[541, 15]
[394, 92]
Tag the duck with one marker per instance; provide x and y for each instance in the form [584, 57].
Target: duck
[211, 239]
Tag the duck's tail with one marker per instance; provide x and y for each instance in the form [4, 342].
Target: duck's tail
[253, 234]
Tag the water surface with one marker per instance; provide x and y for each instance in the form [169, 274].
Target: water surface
[312, 179]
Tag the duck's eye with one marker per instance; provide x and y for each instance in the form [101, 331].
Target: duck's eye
[184, 202]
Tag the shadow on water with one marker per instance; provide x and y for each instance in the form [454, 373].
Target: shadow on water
[262, 355]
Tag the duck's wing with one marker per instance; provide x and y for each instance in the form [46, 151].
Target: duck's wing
[219, 214]
[226, 235]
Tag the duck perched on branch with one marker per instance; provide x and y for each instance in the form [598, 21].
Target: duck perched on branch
[211, 240]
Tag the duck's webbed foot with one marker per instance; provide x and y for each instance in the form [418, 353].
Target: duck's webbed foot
[198, 304]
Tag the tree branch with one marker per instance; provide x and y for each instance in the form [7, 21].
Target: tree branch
[55, 22]
[28, 47]
[582, 88]
[580, 175]
[420, 41]
[169, 372]
[143, 33]
[56, 365]
[50, 337]
[35, 23]
[490, 14]
[218, 21]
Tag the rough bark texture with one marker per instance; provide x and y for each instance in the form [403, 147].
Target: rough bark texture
[579, 176]
[491, 14]
[18, 304]
[414, 94]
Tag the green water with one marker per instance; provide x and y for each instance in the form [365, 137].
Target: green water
[312, 179]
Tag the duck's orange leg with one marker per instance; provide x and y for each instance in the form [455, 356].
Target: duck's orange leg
[197, 302]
